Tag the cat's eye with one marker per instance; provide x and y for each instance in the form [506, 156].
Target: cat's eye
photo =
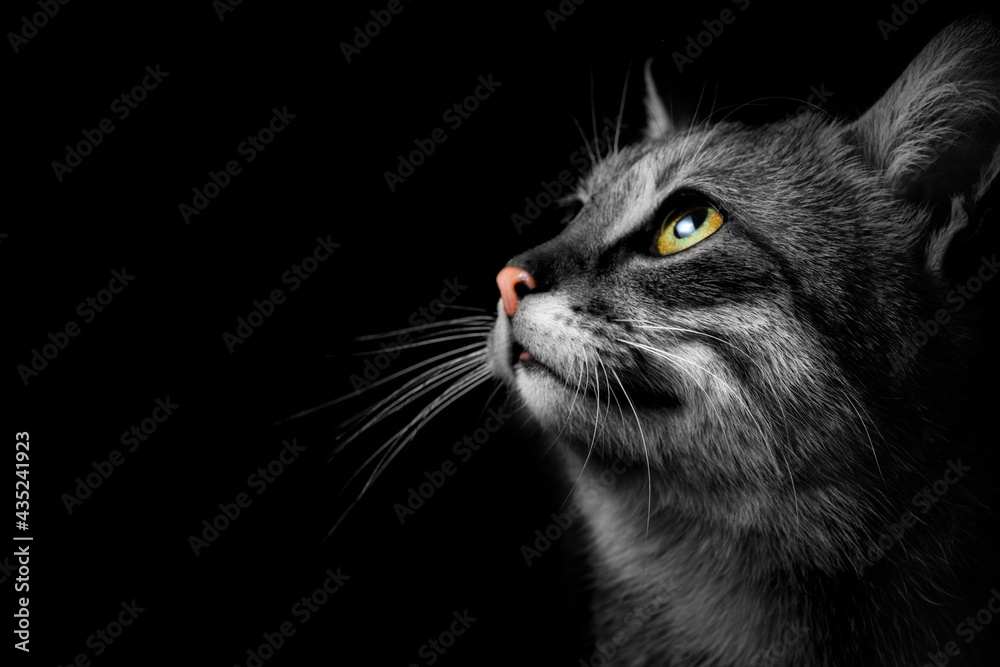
[684, 230]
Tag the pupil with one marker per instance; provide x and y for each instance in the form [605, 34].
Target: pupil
[690, 222]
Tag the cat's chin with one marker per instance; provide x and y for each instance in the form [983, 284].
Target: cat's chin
[555, 401]
[543, 392]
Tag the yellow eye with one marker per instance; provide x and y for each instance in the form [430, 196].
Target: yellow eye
[686, 229]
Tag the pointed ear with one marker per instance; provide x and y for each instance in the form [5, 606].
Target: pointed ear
[935, 132]
[658, 123]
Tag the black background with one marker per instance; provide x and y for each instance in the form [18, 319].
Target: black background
[323, 175]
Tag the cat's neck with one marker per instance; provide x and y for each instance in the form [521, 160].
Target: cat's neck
[694, 587]
[683, 589]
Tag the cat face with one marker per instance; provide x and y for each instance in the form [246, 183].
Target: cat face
[700, 358]
[751, 360]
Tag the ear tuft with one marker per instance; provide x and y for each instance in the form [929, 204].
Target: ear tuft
[658, 123]
[937, 128]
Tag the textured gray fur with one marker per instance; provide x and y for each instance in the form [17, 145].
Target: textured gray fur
[769, 425]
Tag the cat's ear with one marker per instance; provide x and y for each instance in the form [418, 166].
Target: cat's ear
[658, 122]
[935, 132]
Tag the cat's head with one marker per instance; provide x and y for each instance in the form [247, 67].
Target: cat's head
[739, 307]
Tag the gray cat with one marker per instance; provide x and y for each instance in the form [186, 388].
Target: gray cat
[757, 349]
[759, 337]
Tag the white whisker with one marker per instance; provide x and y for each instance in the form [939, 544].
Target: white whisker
[645, 448]
[593, 439]
[569, 412]
[395, 444]
[590, 153]
[621, 110]
[408, 369]
[451, 368]
[473, 309]
[870, 443]
[433, 341]
[735, 394]
[446, 398]
[485, 319]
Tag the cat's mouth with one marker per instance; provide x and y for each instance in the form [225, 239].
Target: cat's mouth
[520, 357]
[532, 364]
[592, 372]
[641, 394]
[518, 354]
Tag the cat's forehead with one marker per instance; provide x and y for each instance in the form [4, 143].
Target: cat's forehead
[728, 162]
[727, 150]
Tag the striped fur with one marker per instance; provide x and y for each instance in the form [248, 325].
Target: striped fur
[758, 393]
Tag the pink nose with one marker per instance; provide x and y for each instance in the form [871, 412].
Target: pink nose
[508, 280]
